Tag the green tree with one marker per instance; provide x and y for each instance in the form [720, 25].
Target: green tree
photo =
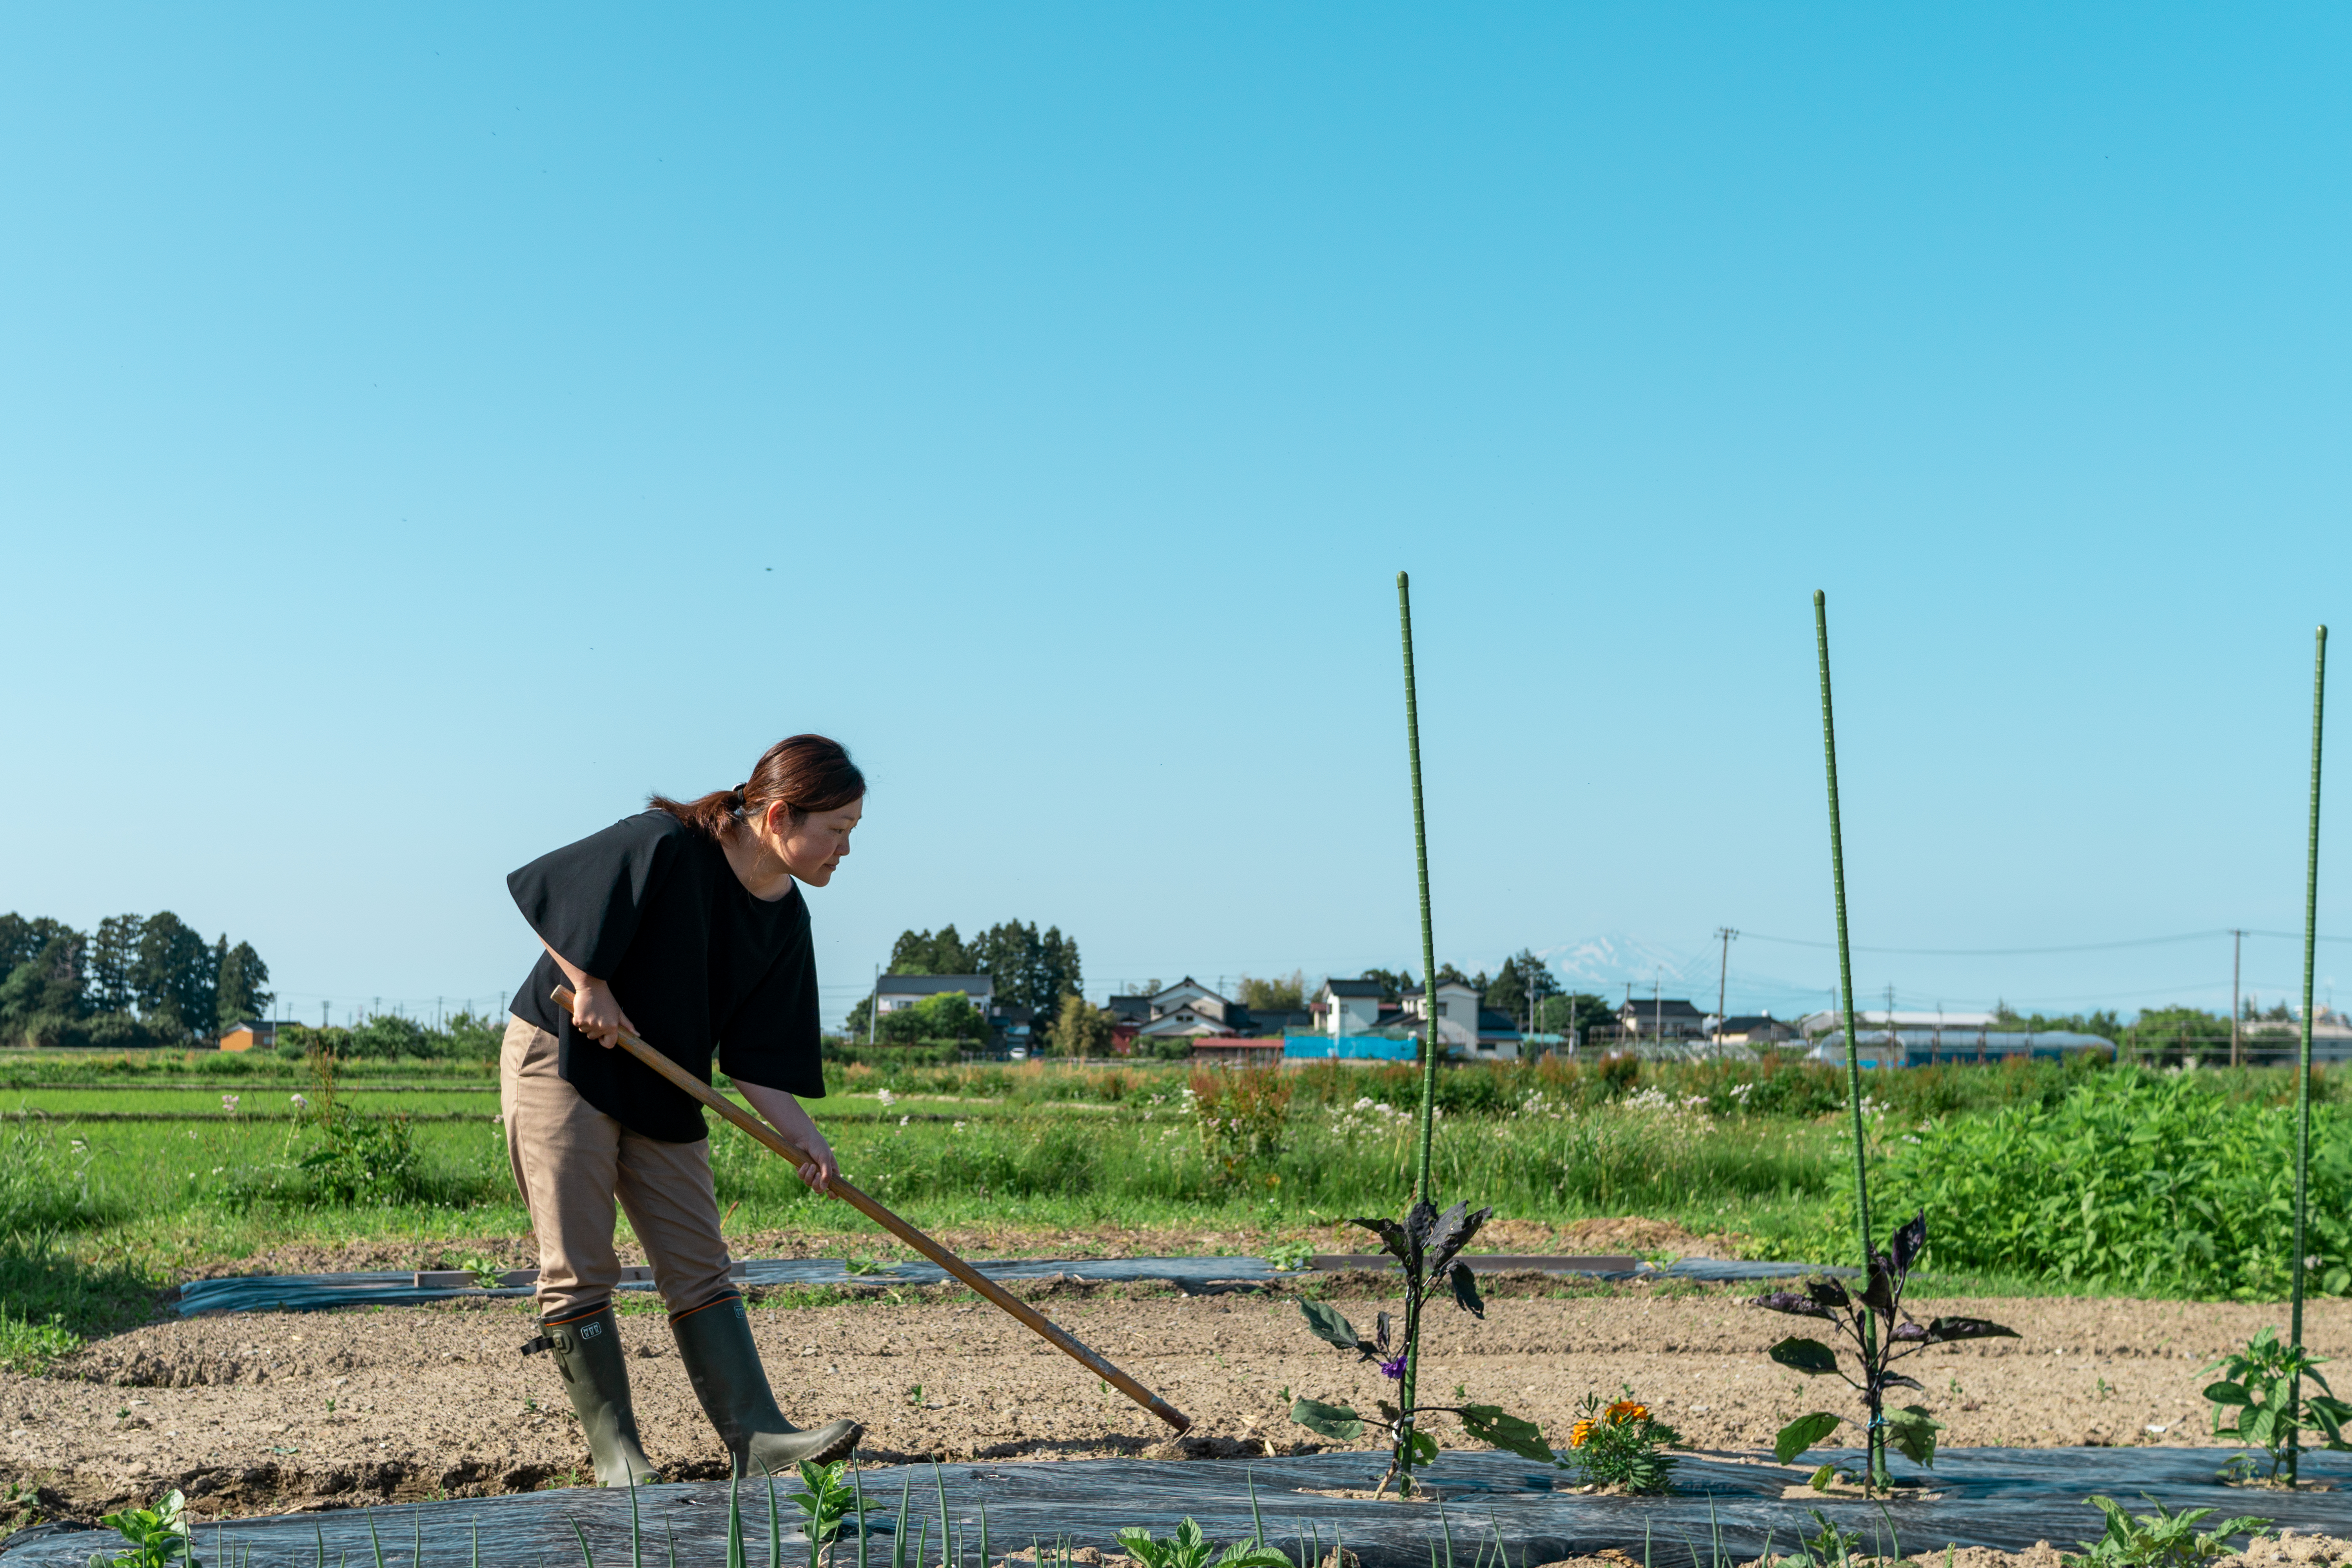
[1279, 994]
[1574, 1014]
[242, 977]
[1393, 983]
[1082, 1030]
[860, 1019]
[1031, 969]
[174, 980]
[42, 996]
[949, 1016]
[924, 953]
[1524, 981]
[113, 964]
[22, 939]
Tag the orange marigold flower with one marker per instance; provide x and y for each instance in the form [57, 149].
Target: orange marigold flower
[1580, 1433]
[1626, 1410]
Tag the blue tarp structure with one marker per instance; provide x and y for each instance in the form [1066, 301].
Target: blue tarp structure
[1349, 1048]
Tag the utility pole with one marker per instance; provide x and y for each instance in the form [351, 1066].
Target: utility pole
[1891, 1043]
[1722, 978]
[1658, 1007]
[873, 1006]
[2237, 945]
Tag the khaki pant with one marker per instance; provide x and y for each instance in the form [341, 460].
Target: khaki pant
[571, 1161]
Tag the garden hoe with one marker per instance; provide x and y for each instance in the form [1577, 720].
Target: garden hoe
[1033, 1320]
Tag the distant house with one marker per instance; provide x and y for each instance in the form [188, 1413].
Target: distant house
[895, 992]
[1013, 1025]
[1346, 1006]
[1187, 1007]
[252, 1035]
[1458, 1012]
[1757, 1030]
[1662, 1018]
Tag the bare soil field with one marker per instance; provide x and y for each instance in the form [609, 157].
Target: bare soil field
[263, 1412]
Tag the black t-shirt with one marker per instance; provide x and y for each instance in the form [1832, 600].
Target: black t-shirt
[651, 907]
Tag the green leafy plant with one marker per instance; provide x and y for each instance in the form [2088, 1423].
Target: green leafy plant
[1424, 1243]
[1190, 1548]
[2258, 1383]
[1880, 1335]
[2159, 1540]
[1622, 1445]
[487, 1275]
[1290, 1256]
[830, 1497]
[158, 1536]
[1828, 1547]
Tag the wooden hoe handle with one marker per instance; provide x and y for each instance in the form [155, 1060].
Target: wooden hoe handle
[1037, 1321]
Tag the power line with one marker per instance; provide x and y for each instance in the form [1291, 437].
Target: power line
[2022, 951]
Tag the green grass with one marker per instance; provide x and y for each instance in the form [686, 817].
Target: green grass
[2182, 1170]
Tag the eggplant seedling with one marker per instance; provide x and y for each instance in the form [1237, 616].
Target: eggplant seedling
[1860, 1321]
[1424, 1244]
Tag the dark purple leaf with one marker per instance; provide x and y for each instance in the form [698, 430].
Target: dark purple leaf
[1896, 1380]
[1907, 1333]
[1419, 1221]
[1380, 1332]
[1465, 1292]
[1879, 1293]
[1943, 1330]
[1453, 1233]
[1828, 1293]
[1393, 1239]
[1909, 1242]
[1790, 1303]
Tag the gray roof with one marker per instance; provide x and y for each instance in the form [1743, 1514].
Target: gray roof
[932, 985]
[1658, 1007]
[1354, 987]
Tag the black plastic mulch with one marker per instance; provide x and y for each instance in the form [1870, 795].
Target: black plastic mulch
[1725, 1510]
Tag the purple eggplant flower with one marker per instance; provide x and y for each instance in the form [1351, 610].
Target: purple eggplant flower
[1393, 1370]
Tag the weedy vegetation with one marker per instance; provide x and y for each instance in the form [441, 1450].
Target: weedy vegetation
[1859, 1320]
[1424, 1243]
[2159, 1540]
[2257, 1389]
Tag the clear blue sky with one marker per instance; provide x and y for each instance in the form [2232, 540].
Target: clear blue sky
[423, 431]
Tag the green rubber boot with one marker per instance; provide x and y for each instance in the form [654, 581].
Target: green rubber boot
[714, 1340]
[587, 1349]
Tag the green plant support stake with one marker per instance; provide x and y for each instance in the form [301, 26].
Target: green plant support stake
[2303, 1073]
[1421, 1193]
[1877, 1439]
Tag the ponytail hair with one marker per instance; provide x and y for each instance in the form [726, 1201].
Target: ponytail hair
[802, 773]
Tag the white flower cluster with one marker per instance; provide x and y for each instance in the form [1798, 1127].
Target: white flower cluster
[1741, 1092]
[1378, 1115]
[1653, 1099]
[886, 1097]
[1540, 1106]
